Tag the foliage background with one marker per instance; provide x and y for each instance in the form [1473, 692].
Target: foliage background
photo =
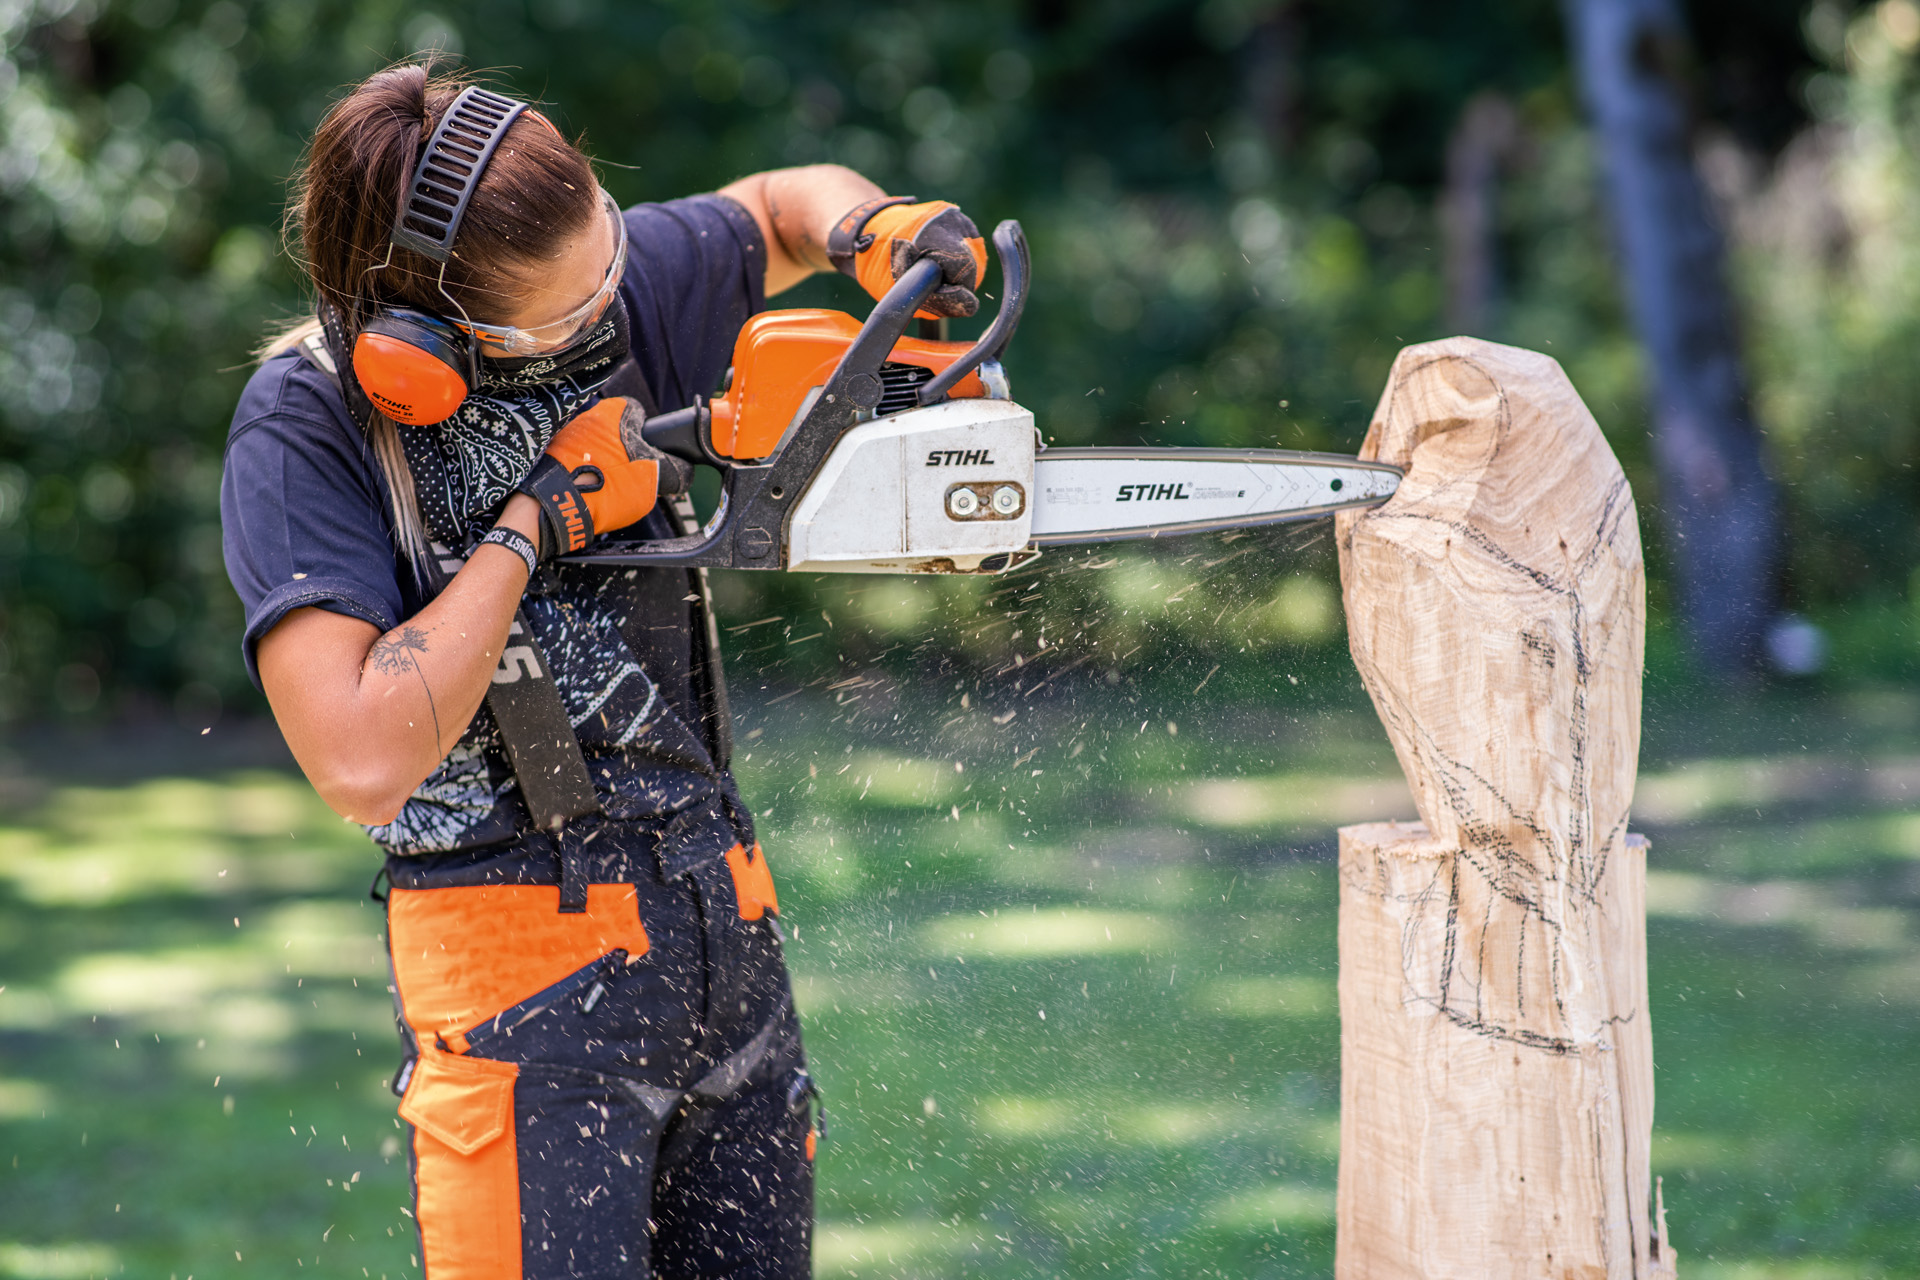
[1233, 206]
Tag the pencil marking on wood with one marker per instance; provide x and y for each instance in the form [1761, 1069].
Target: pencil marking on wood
[1496, 1057]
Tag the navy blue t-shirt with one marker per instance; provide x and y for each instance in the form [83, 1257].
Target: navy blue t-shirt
[305, 514]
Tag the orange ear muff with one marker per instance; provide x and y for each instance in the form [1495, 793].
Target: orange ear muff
[411, 367]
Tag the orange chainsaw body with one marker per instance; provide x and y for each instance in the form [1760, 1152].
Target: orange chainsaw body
[781, 356]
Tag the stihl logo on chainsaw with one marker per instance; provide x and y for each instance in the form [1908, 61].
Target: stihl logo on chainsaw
[959, 458]
[1153, 492]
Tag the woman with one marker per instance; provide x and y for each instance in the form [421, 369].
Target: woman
[604, 1072]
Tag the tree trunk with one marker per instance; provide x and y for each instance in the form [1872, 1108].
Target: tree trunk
[1719, 506]
[1482, 139]
[1495, 1055]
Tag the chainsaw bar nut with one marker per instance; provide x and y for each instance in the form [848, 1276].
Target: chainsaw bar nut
[989, 500]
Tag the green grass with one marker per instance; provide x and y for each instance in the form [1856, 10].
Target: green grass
[1072, 1002]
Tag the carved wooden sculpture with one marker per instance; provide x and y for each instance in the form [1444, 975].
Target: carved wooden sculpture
[1496, 1059]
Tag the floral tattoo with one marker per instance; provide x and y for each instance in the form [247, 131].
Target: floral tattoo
[394, 652]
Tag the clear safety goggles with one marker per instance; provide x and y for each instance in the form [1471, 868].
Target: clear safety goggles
[561, 333]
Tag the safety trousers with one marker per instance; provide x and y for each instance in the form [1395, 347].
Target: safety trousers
[617, 1092]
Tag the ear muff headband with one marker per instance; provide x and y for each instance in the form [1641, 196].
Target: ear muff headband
[414, 367]
[449, 170]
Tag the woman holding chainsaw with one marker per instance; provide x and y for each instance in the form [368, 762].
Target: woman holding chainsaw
[603, 1071]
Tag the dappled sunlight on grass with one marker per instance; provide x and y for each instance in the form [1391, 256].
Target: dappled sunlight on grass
[23, 1099]
[1812, 909]
[1080, 1023]
[1180, 1124]
[1295, 996]
[1133, 1121]
[58, 1261]
[1702, 788]
[1030, 1117]
[1695, 1152]
[132, 984]
[825, 992]
[1896, 982]
[189, 969]
[195, 838]
[1057, 932]
[900, 780]
[880, 1248]
[1276, 1207]
[1779, 1269]
[1293, 800]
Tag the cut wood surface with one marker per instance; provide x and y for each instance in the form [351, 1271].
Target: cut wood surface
[1496, 1057]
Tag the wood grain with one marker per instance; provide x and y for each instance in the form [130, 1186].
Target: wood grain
[1496, 1054]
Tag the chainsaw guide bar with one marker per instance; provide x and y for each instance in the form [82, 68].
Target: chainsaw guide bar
[885, 454]
[1106, 495]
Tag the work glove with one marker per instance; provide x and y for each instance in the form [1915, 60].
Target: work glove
[599, 475]
[877, 241]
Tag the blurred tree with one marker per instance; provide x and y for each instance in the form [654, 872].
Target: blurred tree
[1231, 203]
[1829, 240]
[1481, 145]
[1720, 504]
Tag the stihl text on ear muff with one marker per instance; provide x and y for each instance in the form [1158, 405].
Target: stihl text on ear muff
[418, 368]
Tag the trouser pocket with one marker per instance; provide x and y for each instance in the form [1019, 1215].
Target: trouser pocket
[463, 954]
[466, 1166]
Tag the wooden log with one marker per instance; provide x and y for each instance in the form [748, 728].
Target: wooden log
[1496, 1057]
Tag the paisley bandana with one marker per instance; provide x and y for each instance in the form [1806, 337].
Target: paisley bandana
[465, 468]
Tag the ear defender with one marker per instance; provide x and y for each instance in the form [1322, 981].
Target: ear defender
[413, 366]
[417, 368]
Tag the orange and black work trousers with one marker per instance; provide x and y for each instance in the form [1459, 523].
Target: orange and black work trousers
[614, 1092]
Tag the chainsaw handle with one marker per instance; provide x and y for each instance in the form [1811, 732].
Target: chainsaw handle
[886, 325]
[683, 434]
[1016, 264]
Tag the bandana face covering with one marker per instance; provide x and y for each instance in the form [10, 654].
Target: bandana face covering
[465, 468]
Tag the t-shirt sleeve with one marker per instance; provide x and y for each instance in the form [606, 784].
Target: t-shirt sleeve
[696, 269]
[301, 511]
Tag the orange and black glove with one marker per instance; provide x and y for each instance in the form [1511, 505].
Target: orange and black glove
[877, 241]
[598, 475]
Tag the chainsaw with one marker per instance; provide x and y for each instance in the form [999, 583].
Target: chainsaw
[852, 448]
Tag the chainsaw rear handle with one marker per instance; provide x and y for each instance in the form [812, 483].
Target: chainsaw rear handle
[685, 433]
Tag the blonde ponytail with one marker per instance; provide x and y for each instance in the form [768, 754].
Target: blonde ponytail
[383, 437]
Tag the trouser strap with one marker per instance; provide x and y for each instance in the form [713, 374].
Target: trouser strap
[546, 755]
[574, 838]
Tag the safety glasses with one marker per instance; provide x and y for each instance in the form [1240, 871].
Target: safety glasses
[562, 333]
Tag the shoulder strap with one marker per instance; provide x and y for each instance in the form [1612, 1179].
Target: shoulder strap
[713, 692]
[525, 703]
[628, 379]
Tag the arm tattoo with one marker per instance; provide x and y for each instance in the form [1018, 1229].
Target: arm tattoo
[393, 653]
